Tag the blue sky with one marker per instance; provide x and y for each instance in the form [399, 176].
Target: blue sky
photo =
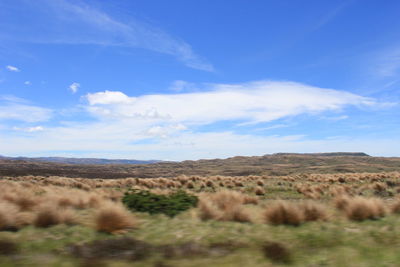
[178, 80]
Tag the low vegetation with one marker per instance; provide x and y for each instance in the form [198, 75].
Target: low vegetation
[168, 204]
[303, 220]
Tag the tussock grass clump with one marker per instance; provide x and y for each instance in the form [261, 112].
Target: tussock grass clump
[313, 211]
[250, 200]
[360, 209]
[236, 214]
[259, 191]
[9, 217]
[260, 183]
[49, 215]
[239, 184]
[225, 199]
[114, 218]
[26, 202]
[224, 206]
[341, 202]
[395, 207]
[284, 213]
[208, 211]
[209, 183]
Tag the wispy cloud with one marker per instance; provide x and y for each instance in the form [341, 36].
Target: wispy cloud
[74, 87]
[79, 23]
[253, 102]
[331, 15]
[180, 85]
[12, 108]
[27, 83]
[388, 63]
[29, 129]
[12, 68]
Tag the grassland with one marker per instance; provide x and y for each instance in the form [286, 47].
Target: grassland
[298, 220]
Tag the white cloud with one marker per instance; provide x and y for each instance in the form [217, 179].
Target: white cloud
[164, 126]
[109, 97]
[157, 131]
[12, 108]
[165, 131]
[78, 23]
[27, 83]
[74, 87]
[29, 129]
[179, 86]
[12, 68]
[261, 101]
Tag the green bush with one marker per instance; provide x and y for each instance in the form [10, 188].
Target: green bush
[171, 205]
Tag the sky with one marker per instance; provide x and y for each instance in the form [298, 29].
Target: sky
[187, 80]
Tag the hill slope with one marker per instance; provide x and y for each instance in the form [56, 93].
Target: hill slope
[277, 164]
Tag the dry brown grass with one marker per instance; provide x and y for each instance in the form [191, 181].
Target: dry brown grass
[314, 211]
[113, 218]
[341, 202]
[48, 215]
[260, 183]
[395, 207]
[224, 206]
[9, 220]
[259, 191]
[208, 211]
[360, 209]
[283, 212]
[236, 213]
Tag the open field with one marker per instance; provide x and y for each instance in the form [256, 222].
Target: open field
[276, 164]
[347, 219]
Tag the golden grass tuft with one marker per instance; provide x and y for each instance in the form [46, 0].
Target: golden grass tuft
[250, 200]
[283, 213]
[225, 199]
[113, 218]
[259, 191]
[236, 214]
[395, 207]
[9, 217]
[224, 206]
[208, 211]
[26, 202]
[341, 202]
[360, 209]
[313, 211]
[49, 215]
[209, 183]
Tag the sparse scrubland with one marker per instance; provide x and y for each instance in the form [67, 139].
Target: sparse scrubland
[347, 219]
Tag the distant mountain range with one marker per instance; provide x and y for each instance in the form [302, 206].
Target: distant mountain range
[99, 161]
[88, 161]
[274, 165]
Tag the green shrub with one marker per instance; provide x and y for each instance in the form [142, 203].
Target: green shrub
[171, 205]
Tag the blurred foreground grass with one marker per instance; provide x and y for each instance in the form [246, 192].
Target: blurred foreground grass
[334, 243]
